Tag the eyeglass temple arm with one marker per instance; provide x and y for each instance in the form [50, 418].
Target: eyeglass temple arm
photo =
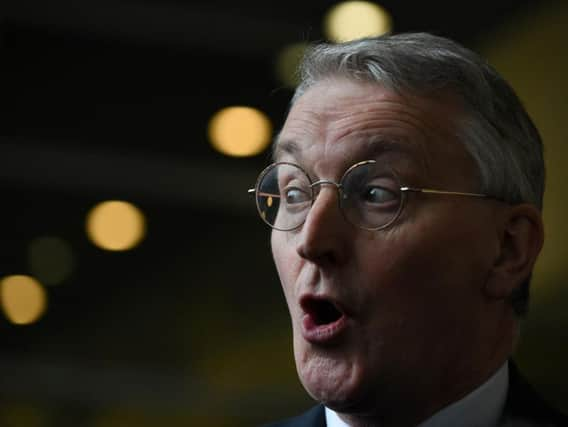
[433, 191]
[260, 193]
[408, 189]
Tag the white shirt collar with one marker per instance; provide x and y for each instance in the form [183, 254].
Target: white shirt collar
[480, 408]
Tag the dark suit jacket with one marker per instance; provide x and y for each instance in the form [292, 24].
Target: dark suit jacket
[523, 408]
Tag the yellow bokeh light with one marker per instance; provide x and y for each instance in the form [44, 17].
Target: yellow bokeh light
[50, 259]
[352, 20]
[116, 225]
[240, 131]
[23, 299]
[287, 63]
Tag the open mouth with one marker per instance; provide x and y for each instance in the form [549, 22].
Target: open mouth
[322, 311]
[323, 320]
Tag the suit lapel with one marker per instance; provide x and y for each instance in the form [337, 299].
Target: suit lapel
[524, 406]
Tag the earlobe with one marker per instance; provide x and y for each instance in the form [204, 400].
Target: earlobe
[522, 237]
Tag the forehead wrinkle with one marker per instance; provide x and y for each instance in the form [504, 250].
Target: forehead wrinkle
[386, 116]
[378, 144]
[304, 126]
[387, 113]
[376, 138]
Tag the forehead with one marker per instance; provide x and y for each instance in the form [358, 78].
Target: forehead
[338, 122]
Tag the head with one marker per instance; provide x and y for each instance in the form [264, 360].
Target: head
[427, 306]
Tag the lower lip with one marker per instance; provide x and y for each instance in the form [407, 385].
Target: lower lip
[322, 334]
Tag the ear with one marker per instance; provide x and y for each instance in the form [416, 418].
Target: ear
[521, 239]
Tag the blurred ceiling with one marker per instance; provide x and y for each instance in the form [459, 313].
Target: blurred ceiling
[146, 75]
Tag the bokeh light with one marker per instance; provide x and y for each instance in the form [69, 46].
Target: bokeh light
[352, 20]
[240, 131]
[287, 63]
[23, 299]
[116, 225]
[50, 259]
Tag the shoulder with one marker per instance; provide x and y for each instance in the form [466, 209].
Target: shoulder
[525, 405]
[315, 417]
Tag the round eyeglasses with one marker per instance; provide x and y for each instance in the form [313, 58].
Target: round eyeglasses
[370, 197]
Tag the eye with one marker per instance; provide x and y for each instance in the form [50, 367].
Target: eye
[295, 195]
[378, 195]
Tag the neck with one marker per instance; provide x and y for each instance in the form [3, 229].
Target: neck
[424, 395]
[481, 407]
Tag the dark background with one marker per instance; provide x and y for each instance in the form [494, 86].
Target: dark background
[111, 100]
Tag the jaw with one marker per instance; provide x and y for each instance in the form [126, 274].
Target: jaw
[365, 398]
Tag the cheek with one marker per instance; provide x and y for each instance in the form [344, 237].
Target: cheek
[418, 295]
[421, 266]
[455, 258]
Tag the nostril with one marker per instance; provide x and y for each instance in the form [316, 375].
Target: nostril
[317, 254]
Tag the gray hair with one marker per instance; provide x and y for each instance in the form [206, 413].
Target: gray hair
[497, 131]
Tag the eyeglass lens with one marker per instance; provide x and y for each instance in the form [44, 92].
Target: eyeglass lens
[370, 197]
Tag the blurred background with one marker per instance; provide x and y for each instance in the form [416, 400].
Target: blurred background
[137, 286]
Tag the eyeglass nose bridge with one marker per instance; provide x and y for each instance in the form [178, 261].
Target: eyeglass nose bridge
[321, 182]
[337, 185]
[340, 192]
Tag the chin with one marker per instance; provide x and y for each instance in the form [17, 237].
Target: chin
[335, 382]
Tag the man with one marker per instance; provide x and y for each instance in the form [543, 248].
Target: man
[405, 203]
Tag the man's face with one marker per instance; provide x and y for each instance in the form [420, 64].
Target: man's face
[379, 315]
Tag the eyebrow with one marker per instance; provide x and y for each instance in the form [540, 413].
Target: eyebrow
[286, 146]
[374, 146]
[380, 144]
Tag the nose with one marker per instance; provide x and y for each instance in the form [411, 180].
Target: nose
[323, 238]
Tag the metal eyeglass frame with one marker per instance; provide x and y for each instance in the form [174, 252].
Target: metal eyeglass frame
[339, 187]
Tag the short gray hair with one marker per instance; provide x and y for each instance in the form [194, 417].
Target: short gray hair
[496, 131]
